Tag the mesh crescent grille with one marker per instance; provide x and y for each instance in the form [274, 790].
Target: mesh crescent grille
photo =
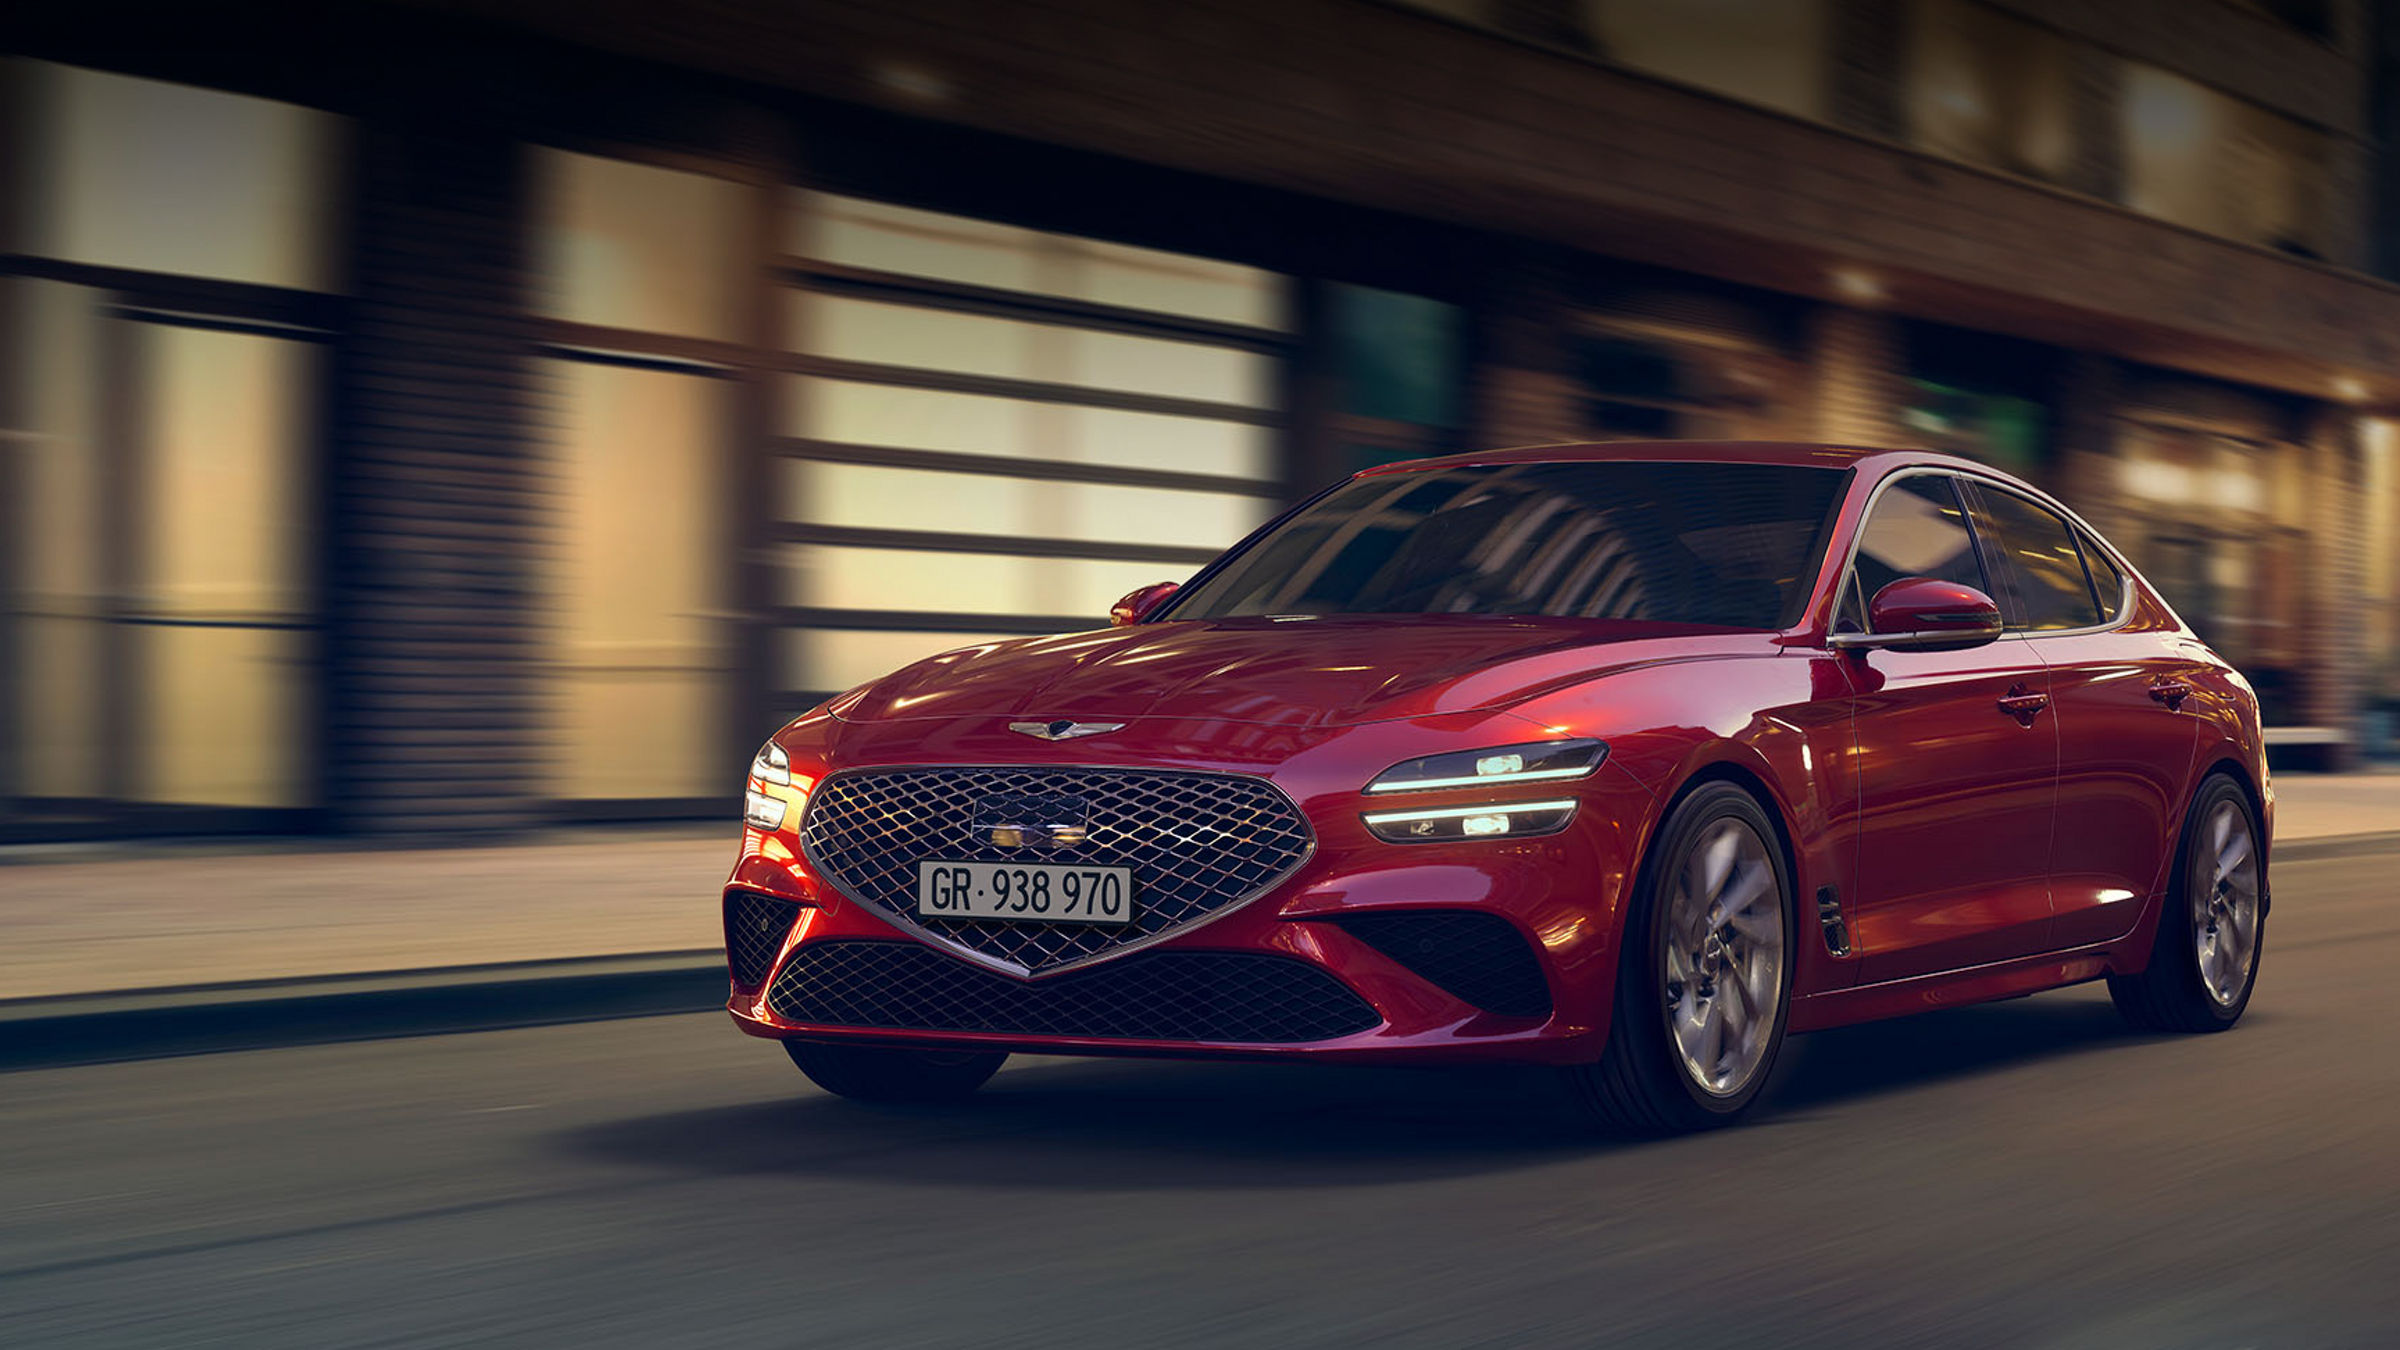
[755, 926]
[1227, 997]
[1198, 844]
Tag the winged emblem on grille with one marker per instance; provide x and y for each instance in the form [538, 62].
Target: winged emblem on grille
[1063, 730]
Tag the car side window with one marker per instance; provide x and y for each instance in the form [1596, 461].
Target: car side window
[2032, 549]
[2108, 579]
[1917, 528]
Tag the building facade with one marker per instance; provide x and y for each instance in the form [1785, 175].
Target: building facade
[437, 417]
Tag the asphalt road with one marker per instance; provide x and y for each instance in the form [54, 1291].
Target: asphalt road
[2025, 1174]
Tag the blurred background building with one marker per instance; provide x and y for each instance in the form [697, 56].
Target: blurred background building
[467, 414]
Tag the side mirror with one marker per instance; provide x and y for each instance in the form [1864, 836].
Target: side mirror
[1139, 604]
[1921, 614]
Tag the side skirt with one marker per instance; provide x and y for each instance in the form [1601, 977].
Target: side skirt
[1953, 988]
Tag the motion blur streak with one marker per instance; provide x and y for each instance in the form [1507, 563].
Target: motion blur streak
[2019, 1174]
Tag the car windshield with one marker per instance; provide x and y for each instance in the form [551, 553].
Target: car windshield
[1727, 545]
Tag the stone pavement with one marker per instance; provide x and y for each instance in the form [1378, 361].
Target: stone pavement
[94, 918]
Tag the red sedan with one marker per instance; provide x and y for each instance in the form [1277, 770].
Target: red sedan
[1630, 759]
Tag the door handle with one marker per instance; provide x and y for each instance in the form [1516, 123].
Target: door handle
[2170, 691]
[2023, 705]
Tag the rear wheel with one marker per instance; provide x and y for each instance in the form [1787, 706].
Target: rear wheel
[1704, 981]
[2204, 961]
[881, 1073]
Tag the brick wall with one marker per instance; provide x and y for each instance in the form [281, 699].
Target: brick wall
[1858, 362]
[1371, 104]
[434, 703]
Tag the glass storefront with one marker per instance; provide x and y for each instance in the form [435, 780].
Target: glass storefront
[990, 430]
[168, 367]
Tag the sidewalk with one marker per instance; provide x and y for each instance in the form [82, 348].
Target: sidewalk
[166, 917]
[83, 930]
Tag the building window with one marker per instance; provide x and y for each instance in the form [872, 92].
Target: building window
[991, 431]
[1991, 90]
[637, 273]
[638, 247]
[1980, 396]
[1769, 52]
[159, 448]
[2200, 158]
[2379, 592]
[2313, 17]
[2221, 529]
[1675, 365]
[1399, 362]
[166, 178]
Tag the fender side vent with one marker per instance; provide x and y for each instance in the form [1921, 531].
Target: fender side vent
[1829, 914]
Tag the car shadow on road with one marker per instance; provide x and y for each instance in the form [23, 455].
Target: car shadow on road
[1133, 1124]
[1833, 1068]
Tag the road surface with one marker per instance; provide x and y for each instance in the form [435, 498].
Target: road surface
[2024, 1174]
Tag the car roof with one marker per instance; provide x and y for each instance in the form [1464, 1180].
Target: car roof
[1820, 454]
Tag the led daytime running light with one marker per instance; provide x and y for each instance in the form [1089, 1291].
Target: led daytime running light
[1498, 820]
[1498, 766]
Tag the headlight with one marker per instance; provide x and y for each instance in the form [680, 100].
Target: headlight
[1508, 820]
[1499, 766]
[771, 764]
[762, 812]
[773, 796]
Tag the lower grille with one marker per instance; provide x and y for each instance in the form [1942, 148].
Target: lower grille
[1233, 997]
[1480, 958]
[755, 926]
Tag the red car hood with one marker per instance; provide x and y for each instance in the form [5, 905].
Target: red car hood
[1331, 671]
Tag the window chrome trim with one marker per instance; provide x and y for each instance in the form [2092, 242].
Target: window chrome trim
[1913, 641]
[2079, 529]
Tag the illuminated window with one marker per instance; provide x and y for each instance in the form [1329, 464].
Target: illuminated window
[635, 246]
[881, 237]
[1769, 52]
[1004, 429]
[1991, 90]
[2202, 159]
[637, 624]
[167, 178]
[639, 620]
[160, 452]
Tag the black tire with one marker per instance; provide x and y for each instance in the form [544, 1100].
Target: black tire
[2171, 994]
[1641, 1084]
[882, 1073]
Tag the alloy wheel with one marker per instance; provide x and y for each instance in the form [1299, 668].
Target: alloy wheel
[1724, 939]
[2224, 895]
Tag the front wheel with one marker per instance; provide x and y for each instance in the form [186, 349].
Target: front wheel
[882, 1073]
[1704, 981]
[2204, 961]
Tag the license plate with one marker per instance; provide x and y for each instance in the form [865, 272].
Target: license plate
[1025, 892]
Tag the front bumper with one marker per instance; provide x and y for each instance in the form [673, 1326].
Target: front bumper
[1480, 950]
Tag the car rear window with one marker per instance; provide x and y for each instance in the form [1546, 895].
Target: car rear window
[2033, 549]
[1728, 545]
[2108, 579]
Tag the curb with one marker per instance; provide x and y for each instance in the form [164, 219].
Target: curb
[258, 1014]
[2335, 846]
